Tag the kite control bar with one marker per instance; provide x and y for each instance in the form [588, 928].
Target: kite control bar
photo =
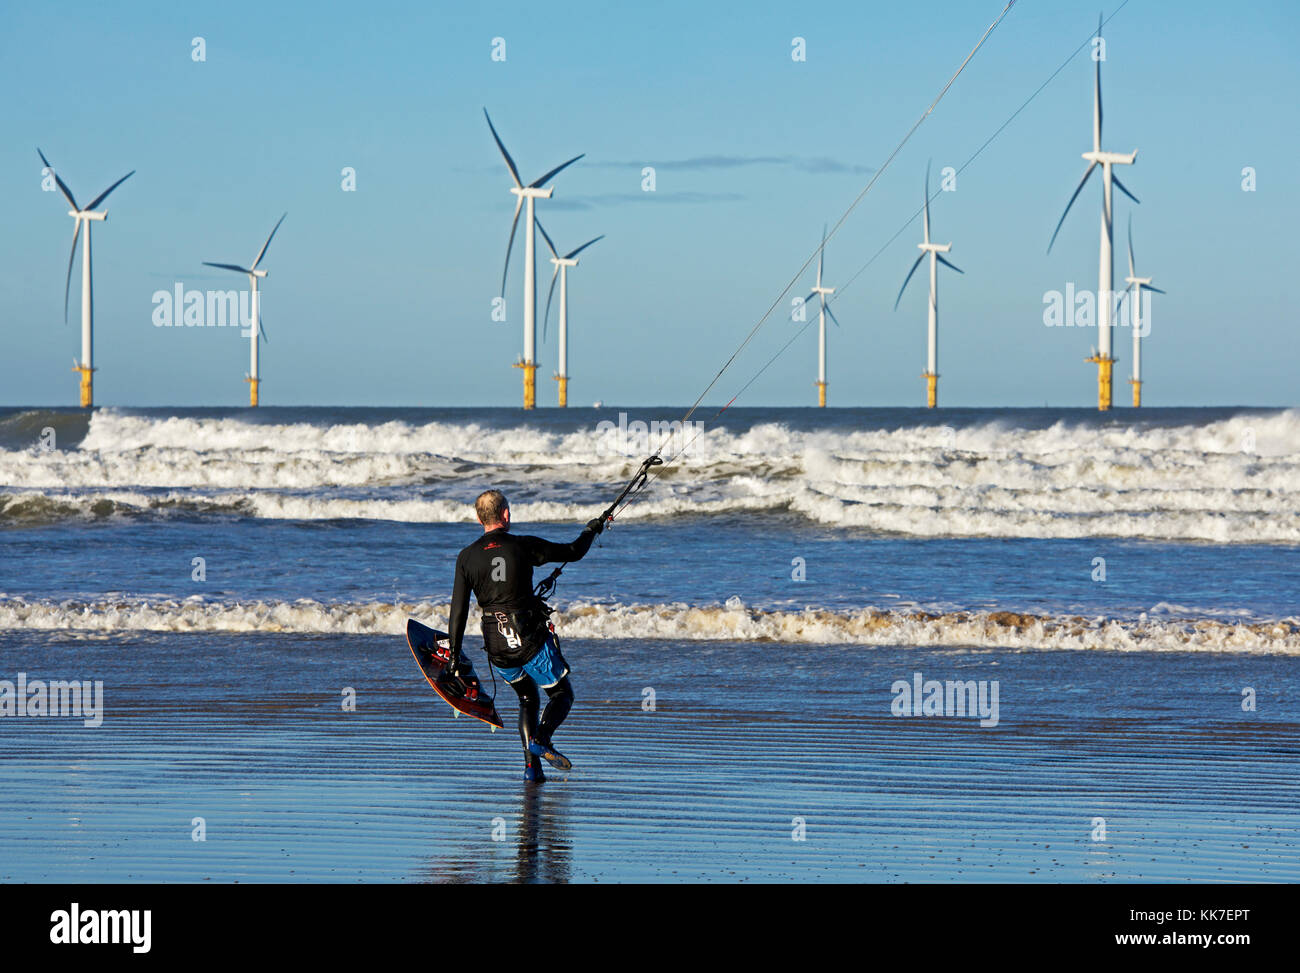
[546, 586]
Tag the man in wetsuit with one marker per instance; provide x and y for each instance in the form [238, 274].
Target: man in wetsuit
[520, 642]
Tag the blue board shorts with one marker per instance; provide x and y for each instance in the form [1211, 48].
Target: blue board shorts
[547, 667]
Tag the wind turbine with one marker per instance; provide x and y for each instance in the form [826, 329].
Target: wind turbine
[1105, 297]
[253, 378]
[823, 311]
[533, 191]
[1136, 284]
[936, 251]
[88, 216]
[562, 265]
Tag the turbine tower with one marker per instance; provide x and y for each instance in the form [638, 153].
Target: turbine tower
[533, 191]
[1105, 297]
[822, 293]
[253, 378]
[1136, 284]
[936, 251]
[562, 265]
[86, 215]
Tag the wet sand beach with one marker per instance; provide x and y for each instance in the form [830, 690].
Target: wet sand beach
[715, 783]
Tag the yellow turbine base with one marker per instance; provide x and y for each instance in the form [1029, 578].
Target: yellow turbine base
[1103, 381]
[931, 389]
[252, 391]
[564, 389]
[1137, 392]
[87, 386]
[821, 394]
[530, 383]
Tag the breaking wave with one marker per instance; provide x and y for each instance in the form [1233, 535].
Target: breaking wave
[1231, 480]
[732, 621]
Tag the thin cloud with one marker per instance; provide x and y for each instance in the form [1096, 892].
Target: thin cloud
[701, 163]
[636, 196]
[816, 164]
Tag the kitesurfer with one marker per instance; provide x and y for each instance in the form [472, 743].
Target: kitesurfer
[520, 640]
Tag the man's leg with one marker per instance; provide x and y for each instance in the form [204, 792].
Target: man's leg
[529, 701]
[551, 672]
[559, 702]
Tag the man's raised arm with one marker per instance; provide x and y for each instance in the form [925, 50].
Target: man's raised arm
[544, 551]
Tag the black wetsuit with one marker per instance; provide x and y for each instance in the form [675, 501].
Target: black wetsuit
[498, 568]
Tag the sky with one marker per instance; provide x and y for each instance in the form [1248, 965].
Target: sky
[382, 294]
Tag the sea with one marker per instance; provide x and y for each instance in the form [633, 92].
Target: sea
[1036, 529]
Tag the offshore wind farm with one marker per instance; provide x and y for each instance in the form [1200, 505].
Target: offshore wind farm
[1107, 301]
[1104, 303]
[810, 537]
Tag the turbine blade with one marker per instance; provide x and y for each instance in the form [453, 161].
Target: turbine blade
[262, 252]
[549, 294]
[919, 258]
[1131, 272]
[1124, 189]
[547, 237]
[821, 257]
[808, 298]
[550, 175]
[927, 202]
[261, 326]
[1154, 290]
[235, 267]
[573, 253]
[831, 315]
[519, 202]
[948, 263]
[1096, 101]
[1078, 189]
[514, 170]
[63, 187]
[104, 195]
[67, 285]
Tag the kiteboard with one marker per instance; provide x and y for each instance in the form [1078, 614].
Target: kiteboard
[463, 693]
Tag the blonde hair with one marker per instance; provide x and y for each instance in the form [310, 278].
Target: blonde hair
[489, 507]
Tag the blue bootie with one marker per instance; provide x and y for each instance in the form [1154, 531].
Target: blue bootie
[549, 754]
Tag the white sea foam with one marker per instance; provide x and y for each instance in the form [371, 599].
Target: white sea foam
[1235, 480]
[732, 622]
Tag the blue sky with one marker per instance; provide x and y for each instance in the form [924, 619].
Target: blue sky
[383, 295]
